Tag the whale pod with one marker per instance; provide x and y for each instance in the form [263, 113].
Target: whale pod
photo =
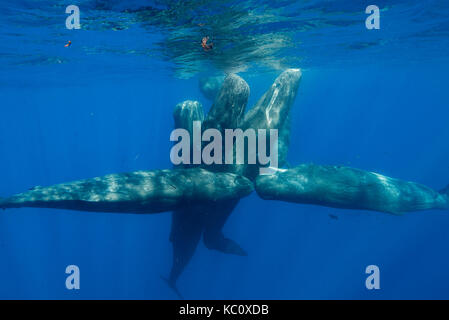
[136, 192]
[348, 188]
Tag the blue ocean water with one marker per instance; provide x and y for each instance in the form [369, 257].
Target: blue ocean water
[370, 99]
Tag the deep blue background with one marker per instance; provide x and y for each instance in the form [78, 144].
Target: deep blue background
[66, 124]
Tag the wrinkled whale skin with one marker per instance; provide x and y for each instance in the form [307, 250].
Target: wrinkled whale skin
[186, 113]
[272, 111]
[136, 192]
[348, 188]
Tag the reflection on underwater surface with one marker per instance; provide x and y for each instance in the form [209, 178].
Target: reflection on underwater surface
[264, 34]
[369, 99]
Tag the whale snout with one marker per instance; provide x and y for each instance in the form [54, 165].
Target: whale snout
[244, 185]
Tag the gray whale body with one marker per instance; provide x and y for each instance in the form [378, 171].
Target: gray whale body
[136, 192]
[348, 188]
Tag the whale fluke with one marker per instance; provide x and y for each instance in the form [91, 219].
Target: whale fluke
[137, 192]
[347, 188]
[213, 236]
[173, 287]
[224, 245]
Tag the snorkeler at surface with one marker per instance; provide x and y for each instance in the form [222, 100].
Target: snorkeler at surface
[205, 45]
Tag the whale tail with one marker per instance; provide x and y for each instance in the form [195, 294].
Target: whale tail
[225, 245]
[173, 287]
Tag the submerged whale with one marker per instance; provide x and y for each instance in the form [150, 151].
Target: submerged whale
[191, 224]
[349, 188]
[228, 112]
[333, 186]
[210, 86]
[136, 192]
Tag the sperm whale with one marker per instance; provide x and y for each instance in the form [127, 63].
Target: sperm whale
[349, 188]
[136, 192]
